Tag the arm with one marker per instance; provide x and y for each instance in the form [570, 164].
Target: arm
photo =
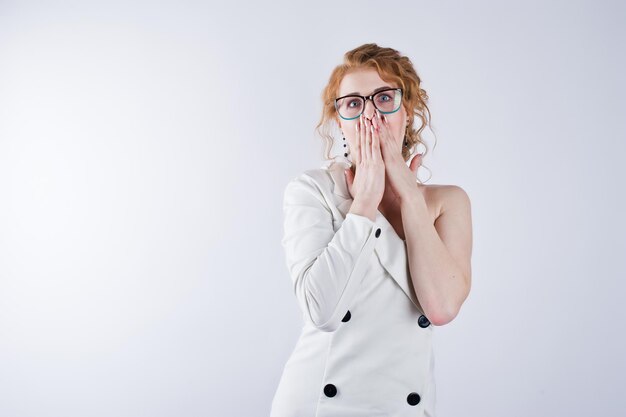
[439, 255]
[326, 266]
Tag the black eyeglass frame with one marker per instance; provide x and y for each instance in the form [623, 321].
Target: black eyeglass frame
[370, 97]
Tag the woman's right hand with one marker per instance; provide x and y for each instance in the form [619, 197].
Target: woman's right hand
[367, 185]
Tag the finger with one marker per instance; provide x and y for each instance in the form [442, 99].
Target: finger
[416, 162]
[370, 134]
[385, 135]
[348, 173]
[382, 134]
[379, 132]
[364, 138]
[362, 144]
[376, 152]
[357, 150]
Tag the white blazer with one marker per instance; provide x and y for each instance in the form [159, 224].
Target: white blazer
[366, 346]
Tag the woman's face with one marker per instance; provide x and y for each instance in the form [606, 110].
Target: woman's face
[365, 82]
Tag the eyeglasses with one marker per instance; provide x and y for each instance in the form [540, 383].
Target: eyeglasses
[386, 101]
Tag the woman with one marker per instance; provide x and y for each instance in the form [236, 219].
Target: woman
[376, 258]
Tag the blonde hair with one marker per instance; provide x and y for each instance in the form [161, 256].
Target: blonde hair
[391, 67]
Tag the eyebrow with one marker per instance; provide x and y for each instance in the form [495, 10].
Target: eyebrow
[373, 92]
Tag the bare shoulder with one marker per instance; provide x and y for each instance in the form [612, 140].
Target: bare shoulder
[442, 197]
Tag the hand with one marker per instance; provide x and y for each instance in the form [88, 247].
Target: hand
[368, 183]
[401, 178]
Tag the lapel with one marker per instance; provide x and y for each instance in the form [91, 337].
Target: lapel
[390, 248]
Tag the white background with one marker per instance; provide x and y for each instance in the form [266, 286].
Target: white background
[145, 146]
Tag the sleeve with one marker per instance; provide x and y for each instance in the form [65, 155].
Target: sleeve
[326, 267]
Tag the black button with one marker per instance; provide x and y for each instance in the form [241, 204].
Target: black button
[330, 390]
[423, 321]
[378, 232]
[346, 317]
[413, 398]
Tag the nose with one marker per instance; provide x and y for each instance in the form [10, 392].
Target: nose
[372, 108]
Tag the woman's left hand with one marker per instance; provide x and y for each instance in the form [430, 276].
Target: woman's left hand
[402, 178]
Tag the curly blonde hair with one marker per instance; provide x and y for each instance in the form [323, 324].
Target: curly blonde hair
[391, 67]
